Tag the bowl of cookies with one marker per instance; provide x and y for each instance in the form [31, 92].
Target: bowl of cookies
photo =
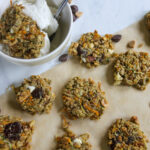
[30, 34]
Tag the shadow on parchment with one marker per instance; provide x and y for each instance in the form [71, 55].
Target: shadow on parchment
[104, 143]
[144, 31]
[109, 74]
[12, 101]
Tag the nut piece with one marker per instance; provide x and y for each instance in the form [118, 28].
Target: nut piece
[131, 44]
[69, 1]
[79, 14]
[140, 45]
[135, 120]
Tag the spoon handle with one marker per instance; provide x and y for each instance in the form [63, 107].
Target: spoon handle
[63, 4]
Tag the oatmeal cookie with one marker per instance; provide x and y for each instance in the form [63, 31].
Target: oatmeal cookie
[133, 69]
[93, 49]
[83, 99]
[126, 135]
[70, 141]
[35, 95]
[15, 134]
[20, 33]
[147, 19]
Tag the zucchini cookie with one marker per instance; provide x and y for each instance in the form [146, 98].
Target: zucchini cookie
[84, 99]
[126, 135]
[93, 49]
[20, 33]
[15, 134]
[147, 19]
[35, 95]
[70, 141]
[133, 69]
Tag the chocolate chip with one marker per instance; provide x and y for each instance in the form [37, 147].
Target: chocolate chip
[130, 140]
[74, 9]
[63, 58]
[116, 38]
[12, 131]
[74, 17]
[91, 59]
[37, 93]
[81, 51]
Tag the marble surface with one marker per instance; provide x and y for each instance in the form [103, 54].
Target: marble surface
[106, 16]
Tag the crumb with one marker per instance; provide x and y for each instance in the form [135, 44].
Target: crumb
[140, 45]
[131, 44]
[79, 14]
[69, 1]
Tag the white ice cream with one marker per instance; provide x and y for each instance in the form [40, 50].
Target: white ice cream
[39, 11]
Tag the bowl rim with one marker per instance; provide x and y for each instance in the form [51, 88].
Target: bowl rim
[33, 60]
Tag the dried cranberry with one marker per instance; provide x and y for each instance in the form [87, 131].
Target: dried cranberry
[37, 93]
[91, 59]
[63, 58]
[12, 131]
[74, 9]
[81, 51]
[116, 38]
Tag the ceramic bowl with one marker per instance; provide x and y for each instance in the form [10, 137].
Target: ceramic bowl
[57, 45]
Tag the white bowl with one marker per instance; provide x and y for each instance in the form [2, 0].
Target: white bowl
[57, 45]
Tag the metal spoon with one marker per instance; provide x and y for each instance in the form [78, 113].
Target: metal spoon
[61, 7]
[57, 16]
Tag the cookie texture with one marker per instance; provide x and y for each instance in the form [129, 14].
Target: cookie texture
[70, 141]
[126, 135]
[133, 69]
[93, 49]
[15, 134]
[35, 95]
[83, 99]
[20, 33]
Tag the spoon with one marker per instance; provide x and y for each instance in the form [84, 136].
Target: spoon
[57, 16]
[60, 8]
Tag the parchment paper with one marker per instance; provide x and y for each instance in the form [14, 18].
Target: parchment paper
[123, 101]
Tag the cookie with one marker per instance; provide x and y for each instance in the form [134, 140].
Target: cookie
[20, 33]
[35, 95]
[93, 49]
[126, 135]
[133, 69]
[147, 20]
[15, 134]
[70, 141]
[83, 99]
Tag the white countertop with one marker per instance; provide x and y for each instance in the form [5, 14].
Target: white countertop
[106, 16]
